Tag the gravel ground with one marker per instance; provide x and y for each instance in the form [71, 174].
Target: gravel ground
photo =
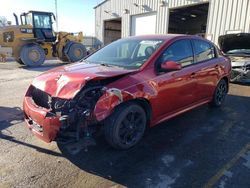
[201, 148]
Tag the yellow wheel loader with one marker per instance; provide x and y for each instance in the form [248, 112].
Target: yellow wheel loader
[33, 40]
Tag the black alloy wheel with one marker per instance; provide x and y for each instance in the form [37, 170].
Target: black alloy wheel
[220, 93]
[126, 126]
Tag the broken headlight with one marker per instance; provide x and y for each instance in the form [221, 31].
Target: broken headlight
[62, 105]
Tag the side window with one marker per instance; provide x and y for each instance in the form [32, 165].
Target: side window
[203, 50]
[180, 52]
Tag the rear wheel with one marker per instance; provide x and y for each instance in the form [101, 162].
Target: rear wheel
[126, 126]
[32, 55]
[220, 93]
[76, 52]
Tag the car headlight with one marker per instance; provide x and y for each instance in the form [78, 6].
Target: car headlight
[62, 104]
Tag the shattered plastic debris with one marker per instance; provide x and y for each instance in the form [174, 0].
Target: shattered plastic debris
[116, 92]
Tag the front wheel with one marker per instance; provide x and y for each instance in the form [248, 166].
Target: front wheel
[126, 126]
[220, 93]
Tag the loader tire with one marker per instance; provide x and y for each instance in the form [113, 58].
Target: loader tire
[76, 52]
[32, 55]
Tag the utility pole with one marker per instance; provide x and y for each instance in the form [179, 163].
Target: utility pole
[56, 16]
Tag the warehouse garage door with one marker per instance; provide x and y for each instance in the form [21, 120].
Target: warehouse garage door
[143, 24]
[189, 20]
[112, 30]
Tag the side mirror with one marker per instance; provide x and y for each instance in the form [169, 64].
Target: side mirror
[170, 66]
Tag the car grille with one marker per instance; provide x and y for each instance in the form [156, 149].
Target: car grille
[41, 98]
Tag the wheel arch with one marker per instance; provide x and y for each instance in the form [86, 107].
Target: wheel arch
[145, 104]
[227, 81]
[106, 105]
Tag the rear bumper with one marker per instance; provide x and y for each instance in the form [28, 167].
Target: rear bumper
[43, 126]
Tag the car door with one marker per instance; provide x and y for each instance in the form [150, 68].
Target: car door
[208, 67]
[176, 88]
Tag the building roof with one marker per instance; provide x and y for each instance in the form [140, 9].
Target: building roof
[100, 3]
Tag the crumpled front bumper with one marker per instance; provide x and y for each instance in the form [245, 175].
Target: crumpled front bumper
[44, 125]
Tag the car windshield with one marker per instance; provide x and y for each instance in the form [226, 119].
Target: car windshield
[126, 53]
[239, 51]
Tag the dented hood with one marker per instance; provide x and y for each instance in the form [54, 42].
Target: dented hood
[66, 81]
[234, 41]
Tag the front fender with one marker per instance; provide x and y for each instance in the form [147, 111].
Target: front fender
[114, 96]
[109, 100]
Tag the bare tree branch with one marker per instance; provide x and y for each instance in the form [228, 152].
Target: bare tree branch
[3, 21]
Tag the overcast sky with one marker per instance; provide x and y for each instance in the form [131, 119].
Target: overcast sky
[73, 15]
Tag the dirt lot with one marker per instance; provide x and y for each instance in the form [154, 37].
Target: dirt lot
[202, 148]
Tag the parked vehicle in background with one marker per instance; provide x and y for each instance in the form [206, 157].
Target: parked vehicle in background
[126, 86]
[237, 48]
[33, 40]
[91, 43]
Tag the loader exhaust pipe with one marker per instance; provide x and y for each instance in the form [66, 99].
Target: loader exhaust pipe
[17, 23]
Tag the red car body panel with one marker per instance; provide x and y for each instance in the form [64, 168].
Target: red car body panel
[50, 125]
[168, 94]
[66, 81]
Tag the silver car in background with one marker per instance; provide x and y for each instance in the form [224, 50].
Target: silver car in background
[237, 48]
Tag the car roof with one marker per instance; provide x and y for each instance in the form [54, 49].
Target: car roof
[165, 37]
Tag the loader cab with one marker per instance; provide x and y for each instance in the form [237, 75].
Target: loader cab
[42, 25]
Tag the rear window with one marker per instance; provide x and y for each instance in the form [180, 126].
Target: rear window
[203, 50]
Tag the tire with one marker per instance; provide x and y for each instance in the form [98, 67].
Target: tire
[126, 126]
[32, 55]
[76, 52]
[219, 93]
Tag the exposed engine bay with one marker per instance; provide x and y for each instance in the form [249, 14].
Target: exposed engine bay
[240, 69]
[237, 48]
[77, 121]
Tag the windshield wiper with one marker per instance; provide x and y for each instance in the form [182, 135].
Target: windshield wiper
[84, 61]
[110, 65]
[105, 64]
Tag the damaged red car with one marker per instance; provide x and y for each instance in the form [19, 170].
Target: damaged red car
[123, 88]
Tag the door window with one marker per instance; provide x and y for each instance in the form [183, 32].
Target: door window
[180, 52]
[203, 50]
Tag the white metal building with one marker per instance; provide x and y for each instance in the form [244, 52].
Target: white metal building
[210, 18]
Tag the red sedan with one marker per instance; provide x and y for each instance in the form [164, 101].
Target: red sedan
[126, 86]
